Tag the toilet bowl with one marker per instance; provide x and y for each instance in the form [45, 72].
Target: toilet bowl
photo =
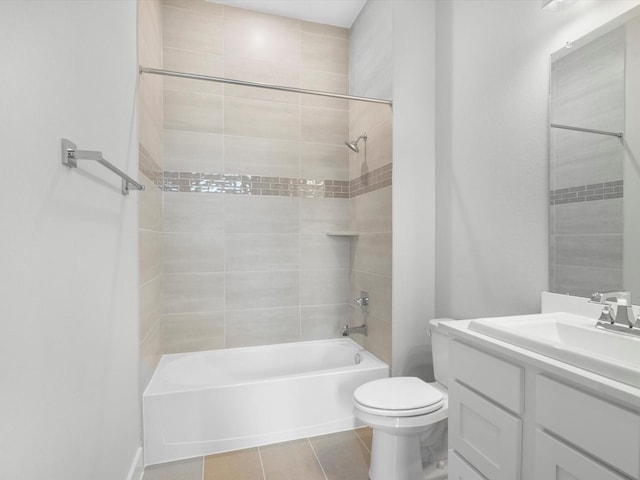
[401, 411]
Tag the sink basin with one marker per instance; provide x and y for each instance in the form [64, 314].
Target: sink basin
[573, 339]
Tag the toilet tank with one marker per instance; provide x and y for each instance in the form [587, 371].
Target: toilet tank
[440, 350]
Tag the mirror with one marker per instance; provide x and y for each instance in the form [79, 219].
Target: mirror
[594, 153]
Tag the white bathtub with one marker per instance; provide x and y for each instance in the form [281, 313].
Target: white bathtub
[209, 402]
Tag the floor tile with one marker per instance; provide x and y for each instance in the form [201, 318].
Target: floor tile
[238, 465]
[291, 461]
[366, 436]
[190, 469]
[342, 456]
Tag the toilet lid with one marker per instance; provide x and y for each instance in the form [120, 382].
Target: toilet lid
[398, 396]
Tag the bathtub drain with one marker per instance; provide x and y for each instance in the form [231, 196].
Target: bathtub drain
[358, 359]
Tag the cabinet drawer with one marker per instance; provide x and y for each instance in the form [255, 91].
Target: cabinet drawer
[499, 380]
[606, 431]
[461, 470]
[487, 436]
[556, 461]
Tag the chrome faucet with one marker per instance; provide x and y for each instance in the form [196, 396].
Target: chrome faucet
[621, 314]
[346, 330]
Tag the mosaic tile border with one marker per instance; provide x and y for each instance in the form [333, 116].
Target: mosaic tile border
[235, 184]
[253, 185]
[373, 180]
[587, 193]
[148, 166]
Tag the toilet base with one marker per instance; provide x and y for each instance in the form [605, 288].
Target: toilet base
[395, 457]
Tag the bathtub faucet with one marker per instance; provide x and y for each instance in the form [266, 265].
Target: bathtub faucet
[346, 330]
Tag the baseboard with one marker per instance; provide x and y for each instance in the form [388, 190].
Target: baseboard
[137, 468]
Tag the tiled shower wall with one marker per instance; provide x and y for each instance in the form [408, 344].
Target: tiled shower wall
[586, 212]
[253, 180]
[370, 216]
[370, 67]
[151, 288]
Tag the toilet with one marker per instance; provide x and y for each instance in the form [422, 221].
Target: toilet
[402, 411]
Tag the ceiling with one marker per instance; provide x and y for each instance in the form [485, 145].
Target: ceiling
[341, 13]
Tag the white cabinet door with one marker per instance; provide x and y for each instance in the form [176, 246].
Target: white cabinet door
[556, 461]
[487, 436]
[461, 470]
[596, 425]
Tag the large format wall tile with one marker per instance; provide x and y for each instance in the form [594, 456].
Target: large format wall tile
[275, 73]
[602, 251]
[193, 62]
[150, 131]
[584, 281]
[325, 82]
[379, 289]
[150, 251]
[319, 322]
[186, 151]
[193, 112]
[324, 161]
[188, 253]
[262, 252]
[262, 156]
[149, 206]
[262, 327]
[324, 287]
[247, 117]
[240, 265]
[322, 52]
[198, 7]
[247, 214]
[321, 215]
[371, 252]
[185, 212]
[262, 289]
[261, 37]
[318, 251]
[324, 125]
[373, 211]
[151, 304]
[151, 349]
[191, 332]
[588, 217]
[194, 292]
[191, 30]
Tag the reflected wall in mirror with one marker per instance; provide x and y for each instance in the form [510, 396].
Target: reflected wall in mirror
[594, 114]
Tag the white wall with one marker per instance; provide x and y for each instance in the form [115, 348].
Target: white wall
[492, 174]
[371, 51]
[414, 53]
[68, 249]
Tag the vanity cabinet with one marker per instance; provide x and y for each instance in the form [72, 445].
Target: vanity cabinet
[510, 418]
[461, 470]
[555, 460]
[482, 429]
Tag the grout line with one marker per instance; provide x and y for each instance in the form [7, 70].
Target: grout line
[203, 463]
[317, 459]
[264, 475]
[362, 441]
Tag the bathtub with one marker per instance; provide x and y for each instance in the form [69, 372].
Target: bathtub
[220, 400]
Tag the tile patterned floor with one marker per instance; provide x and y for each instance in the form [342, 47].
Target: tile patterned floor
[338, 456]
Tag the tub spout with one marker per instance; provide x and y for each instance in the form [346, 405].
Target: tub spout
[346, 330]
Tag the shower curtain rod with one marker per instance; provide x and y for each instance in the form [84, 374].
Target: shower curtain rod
[588, 130]
[269, 86]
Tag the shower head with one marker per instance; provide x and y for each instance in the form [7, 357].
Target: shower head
[354, 145]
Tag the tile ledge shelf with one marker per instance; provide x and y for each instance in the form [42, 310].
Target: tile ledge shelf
[343, 233]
